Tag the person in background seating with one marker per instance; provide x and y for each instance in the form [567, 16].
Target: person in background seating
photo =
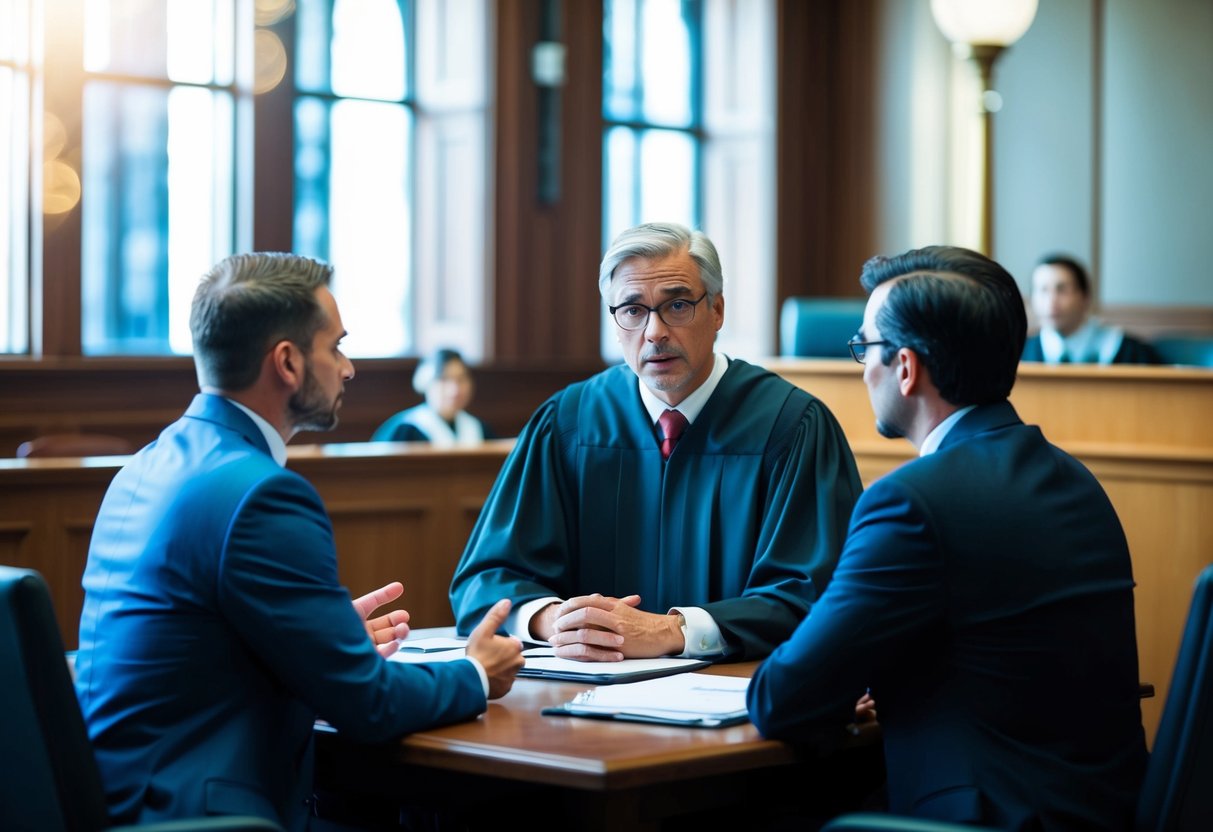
[442, 419]
[1061, 299]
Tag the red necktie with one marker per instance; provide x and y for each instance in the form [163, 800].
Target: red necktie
[672, 425]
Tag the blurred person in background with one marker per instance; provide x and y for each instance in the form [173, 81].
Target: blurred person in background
[442, 419]
[1061, 299]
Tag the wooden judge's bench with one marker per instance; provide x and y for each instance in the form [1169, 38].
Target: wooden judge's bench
[404, 512]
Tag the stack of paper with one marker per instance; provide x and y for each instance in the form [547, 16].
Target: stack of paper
[695, 699]
[542, 663]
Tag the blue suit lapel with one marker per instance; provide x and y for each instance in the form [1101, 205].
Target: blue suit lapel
[216, 409]
[983, 418]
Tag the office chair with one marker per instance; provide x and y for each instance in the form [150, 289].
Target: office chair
[819, 327]
[48, 777]
[1185, 350]
[1172, 797]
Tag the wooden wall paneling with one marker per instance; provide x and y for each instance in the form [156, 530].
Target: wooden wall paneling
[380, 541]
[402, 512]
[824, 146]
[273, 163]
[1159, 406]
[1170, 533]
[55, 296]
[1159, 321]
[546, 295]
[137, 398]
[399, 512]
[46, 518]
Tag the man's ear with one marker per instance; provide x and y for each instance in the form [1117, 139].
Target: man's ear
[909, 371]
[286, 364]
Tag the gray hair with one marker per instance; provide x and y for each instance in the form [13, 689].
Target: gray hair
[245, 305]
[654, 240]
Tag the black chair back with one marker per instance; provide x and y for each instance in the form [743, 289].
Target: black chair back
[48, 777]
[1178, 792]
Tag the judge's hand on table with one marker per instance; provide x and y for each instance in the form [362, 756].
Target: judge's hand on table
[386, 631]
[599, 628]
[500, 656]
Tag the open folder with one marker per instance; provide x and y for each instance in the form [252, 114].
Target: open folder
[697, 700]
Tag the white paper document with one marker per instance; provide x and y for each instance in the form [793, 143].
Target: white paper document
[433, 645]
[696, 699]
[542, 664]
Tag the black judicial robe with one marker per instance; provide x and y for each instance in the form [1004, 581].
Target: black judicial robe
[746, 519]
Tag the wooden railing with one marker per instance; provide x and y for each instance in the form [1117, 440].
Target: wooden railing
[399, 511]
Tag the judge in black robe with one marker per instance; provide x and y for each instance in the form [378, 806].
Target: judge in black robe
[745, 520]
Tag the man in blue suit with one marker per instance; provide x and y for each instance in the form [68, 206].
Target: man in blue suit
[214, 628]
[984, 593]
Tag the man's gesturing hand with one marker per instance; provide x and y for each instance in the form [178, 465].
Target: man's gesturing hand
[386, 631]
[500, 656]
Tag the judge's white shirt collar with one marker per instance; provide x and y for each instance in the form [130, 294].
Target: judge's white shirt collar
[692, 404]
[467, 430]
[272, 437]
[1091, 342]
[935, 438]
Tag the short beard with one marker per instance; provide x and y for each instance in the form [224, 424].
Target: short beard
[308, 409]
[888, 430]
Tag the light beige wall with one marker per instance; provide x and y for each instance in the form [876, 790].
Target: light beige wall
[1101, 148]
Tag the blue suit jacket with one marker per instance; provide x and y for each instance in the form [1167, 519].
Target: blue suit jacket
[214, 631]
[985, 595]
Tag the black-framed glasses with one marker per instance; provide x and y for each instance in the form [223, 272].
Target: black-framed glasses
[673, 312]
[859, 349]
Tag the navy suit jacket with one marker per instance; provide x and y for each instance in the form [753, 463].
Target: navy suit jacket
[985, 596]
[215, 630]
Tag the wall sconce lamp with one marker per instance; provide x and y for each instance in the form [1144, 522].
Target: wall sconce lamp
[980, 30]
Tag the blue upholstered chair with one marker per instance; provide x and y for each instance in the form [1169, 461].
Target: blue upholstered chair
[1177, 795]
[819, 327]
[1188, 350]
[48, 777]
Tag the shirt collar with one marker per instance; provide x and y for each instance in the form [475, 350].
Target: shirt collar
[272, 437]
[692, 404]
[1076, 345]
[931, 444]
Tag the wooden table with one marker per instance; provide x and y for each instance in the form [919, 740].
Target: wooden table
[597, 774]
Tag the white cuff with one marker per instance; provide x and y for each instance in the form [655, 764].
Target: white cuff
[484, 677]
[702, 635]
[518, 622]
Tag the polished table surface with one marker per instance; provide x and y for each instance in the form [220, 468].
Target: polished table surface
[513, 740]
[599, 773]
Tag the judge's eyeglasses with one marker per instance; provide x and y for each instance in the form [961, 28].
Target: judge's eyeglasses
[673, 312]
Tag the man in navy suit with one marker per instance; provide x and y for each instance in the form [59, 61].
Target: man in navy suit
[984, 593]
[214, 628]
